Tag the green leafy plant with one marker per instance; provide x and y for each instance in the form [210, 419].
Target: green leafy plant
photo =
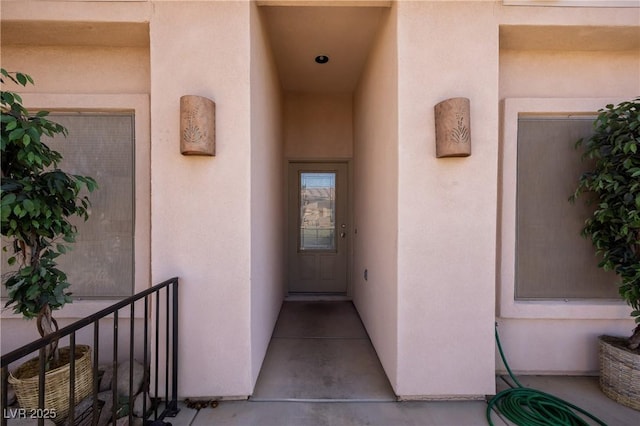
[614, 180]
[37, 202]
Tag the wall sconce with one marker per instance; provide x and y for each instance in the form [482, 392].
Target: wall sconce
[453, 128]
[197, 126]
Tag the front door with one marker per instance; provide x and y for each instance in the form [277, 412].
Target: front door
[318, 234]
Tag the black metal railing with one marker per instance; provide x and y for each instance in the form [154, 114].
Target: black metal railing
[161, 310]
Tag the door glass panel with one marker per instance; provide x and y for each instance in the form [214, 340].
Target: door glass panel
[317, 211]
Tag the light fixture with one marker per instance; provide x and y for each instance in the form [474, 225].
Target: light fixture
[197, 126]
[453, 128]
[322, 59]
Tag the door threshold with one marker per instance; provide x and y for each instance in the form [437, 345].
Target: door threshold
[316, 297]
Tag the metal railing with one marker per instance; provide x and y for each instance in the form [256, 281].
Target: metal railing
[153, 298]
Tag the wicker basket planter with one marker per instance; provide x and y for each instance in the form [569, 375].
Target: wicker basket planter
[56, 396]
[619, 371]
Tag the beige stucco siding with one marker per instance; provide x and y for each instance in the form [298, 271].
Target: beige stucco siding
[201, 221]
[81, 69]
[569, 74]
[429, 231]
[574, 71]
[267, 195]
[83, 77]
[446, 207]
[375, 196]
[318, 125]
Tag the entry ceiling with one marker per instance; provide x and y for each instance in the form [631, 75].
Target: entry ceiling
[299, 34]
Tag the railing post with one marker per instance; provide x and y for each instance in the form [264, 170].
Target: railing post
[147, 386]
[174, 376]
[72, 378]
[114, 379]
[96, 359]
[157, 351]
[41, 370]
[131, 354]
[166, 348]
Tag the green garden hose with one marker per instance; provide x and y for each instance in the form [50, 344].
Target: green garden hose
[529, 407]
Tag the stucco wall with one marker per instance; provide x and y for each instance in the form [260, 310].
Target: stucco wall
[318, 125]
[544, 343]
[375, 196]
[86, 73]
[81, 69]
[267, 194]
[569, 74]
[446, 207]
[429, 301]
[201, 222]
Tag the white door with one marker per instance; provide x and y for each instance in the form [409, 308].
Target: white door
[318, 228]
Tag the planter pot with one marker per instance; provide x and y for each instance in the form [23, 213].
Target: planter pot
[56, 396]
[619, 371]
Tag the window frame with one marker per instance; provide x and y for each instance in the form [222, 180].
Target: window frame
[508, 306]
[139, 104]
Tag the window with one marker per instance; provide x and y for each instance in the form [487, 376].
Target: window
[100, 145]
[552, 260]
[133, 105]
[532, 283]
[317, 211]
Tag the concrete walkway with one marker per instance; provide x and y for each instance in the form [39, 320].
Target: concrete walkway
[581, 391]
[321, 370]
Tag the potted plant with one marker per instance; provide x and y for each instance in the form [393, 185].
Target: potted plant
[614, 229]
[37, 202]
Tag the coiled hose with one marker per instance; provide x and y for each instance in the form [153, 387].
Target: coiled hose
[529, 407]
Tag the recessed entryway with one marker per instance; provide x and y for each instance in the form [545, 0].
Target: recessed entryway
[320, 55]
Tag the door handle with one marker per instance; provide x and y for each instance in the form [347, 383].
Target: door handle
[343, 234]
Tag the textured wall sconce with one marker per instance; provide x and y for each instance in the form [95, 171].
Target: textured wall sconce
[453, 128]
[197, 126]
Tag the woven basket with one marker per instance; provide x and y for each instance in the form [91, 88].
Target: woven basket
[56, 395]
[619, 371]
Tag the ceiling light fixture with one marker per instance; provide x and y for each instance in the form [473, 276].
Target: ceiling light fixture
[322, 59]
